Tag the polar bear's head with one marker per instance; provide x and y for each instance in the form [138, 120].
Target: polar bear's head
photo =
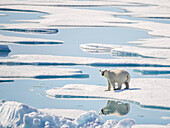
[104, 73]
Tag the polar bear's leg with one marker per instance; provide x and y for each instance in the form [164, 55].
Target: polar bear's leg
[109, 86]
[112, 82]
[127, 85]
[119, 86]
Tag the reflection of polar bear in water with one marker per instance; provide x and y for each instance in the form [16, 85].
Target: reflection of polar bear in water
[116, 76]
[115, 108]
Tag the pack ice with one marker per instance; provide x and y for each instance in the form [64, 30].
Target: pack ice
[14, 114]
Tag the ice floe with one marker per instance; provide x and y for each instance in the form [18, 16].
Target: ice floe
[97, 48]
[148, 92]
[27, 41]
[68, 17]
[129, 51]
[126, 51]
[14, 114]
[35, 72]
[159, 43]
[68, 60]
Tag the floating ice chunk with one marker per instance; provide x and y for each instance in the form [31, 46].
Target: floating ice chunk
[14, 114]
[35, 72]
[97, 48]
[127, 51]
[90, 117]
[141, 91]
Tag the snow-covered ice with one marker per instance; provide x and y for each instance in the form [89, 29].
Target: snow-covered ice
[126, 51]
[159, 43]
[97, 48]
[36, 72]
[102, 18]
[14, 114]
[129, 51]
[68, 60]
[145, 91]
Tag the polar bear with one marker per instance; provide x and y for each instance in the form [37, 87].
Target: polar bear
[117, 108]
[119, 76]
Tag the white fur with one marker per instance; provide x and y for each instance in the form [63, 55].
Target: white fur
[119, 76]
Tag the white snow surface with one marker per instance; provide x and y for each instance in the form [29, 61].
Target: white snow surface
[146, 91]
[38, 72]
[14, 114]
